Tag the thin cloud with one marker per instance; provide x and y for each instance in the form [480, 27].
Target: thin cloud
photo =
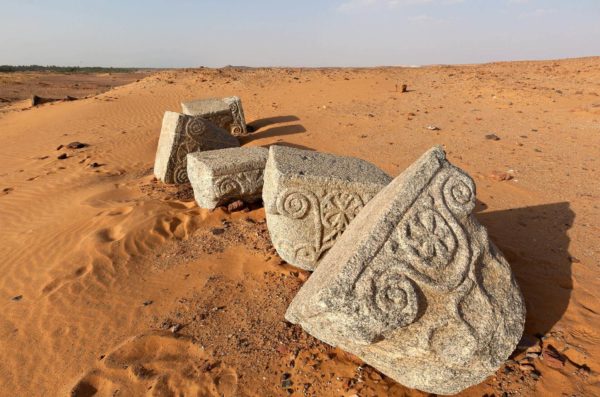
[351, 5]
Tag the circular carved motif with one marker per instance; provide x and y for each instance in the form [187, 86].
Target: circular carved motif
[429, 237]
[293, 204]
[390, 300]
[236, 129]
[339, 208]
[459, 194]
[227, 185]
[180, 175]
[195, 127]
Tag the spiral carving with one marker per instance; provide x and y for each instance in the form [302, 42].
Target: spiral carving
[387, 300]
[459, 194]
[180, 174]
[236, 129]
[195, 127]
[394, 296]
[293, 204]
[227, 186]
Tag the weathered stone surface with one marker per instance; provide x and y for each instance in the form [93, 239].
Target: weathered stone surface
[311, 197]
[227, 113]
[180, 135]
[221, 176]
[414, 286]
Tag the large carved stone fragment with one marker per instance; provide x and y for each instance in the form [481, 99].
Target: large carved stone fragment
[415, 287]
[222, 176]
[227, 113]
[180, 135]
[310, 198]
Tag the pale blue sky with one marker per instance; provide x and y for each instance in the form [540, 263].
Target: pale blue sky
[187, 33]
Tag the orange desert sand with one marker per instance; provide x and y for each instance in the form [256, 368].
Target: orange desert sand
[116, 285]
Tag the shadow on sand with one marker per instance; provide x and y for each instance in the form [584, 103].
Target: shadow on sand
[534, 240]
[258, 125]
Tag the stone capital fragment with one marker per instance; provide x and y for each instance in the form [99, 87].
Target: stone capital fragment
[226, 113]
[310, 198]
[180, 135]
[415, 287]
[221, 176]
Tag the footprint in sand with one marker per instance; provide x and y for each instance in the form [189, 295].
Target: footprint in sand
[157, 364]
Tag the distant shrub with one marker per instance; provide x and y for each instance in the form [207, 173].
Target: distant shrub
[65, 69]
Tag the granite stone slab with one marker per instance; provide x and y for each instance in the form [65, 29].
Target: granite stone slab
[415, 287]
[182, 134]
[222, 176]
[310, 198]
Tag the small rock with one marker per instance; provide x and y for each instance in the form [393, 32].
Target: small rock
[526, 367]
[16, 298]
[552, 357]
[217, 231]
[62, 156]
[286, 381]
[77, 145]
[148, 302]
[175, 328]
[59, 147]
[237, 205]
[95, 165]
[404, 88]
[492, 137]
[432, 127]
[500, 176]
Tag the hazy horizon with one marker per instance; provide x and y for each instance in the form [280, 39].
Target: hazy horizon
[342, 33]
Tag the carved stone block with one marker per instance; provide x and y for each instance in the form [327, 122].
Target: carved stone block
[310, 198]
[180, 135]
[227, 113]
[415, 287]
[221, 176]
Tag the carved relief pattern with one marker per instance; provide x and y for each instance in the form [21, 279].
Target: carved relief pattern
[430, 250]
[331, 211]
[240, 184]
[237, 126]
[186, 142]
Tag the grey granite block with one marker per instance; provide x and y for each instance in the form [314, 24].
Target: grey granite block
[227, 113]
[310, 198]
[415, 287]
[221, 176]
[181, 134]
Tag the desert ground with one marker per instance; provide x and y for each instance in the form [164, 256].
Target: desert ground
[115, 284]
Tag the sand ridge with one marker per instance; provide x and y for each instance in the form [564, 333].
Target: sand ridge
[85, 247]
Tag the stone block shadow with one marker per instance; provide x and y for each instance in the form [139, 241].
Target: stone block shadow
[266, 128]
[534, 240]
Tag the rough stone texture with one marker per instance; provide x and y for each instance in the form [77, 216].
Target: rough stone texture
[180, 135]
[414, 286]
[311, 197]
[221, 176]
[227, 113]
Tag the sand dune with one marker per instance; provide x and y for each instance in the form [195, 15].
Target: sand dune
[99, 261]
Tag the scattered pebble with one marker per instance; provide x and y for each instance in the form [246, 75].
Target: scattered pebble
[148, 302]
[62, 156]
[552, 357]
[500, 176]
[237, 205]
[217, 231]
[16, 298]
[59, 147]
[492, 137]
[77, 145]
[432, 127]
